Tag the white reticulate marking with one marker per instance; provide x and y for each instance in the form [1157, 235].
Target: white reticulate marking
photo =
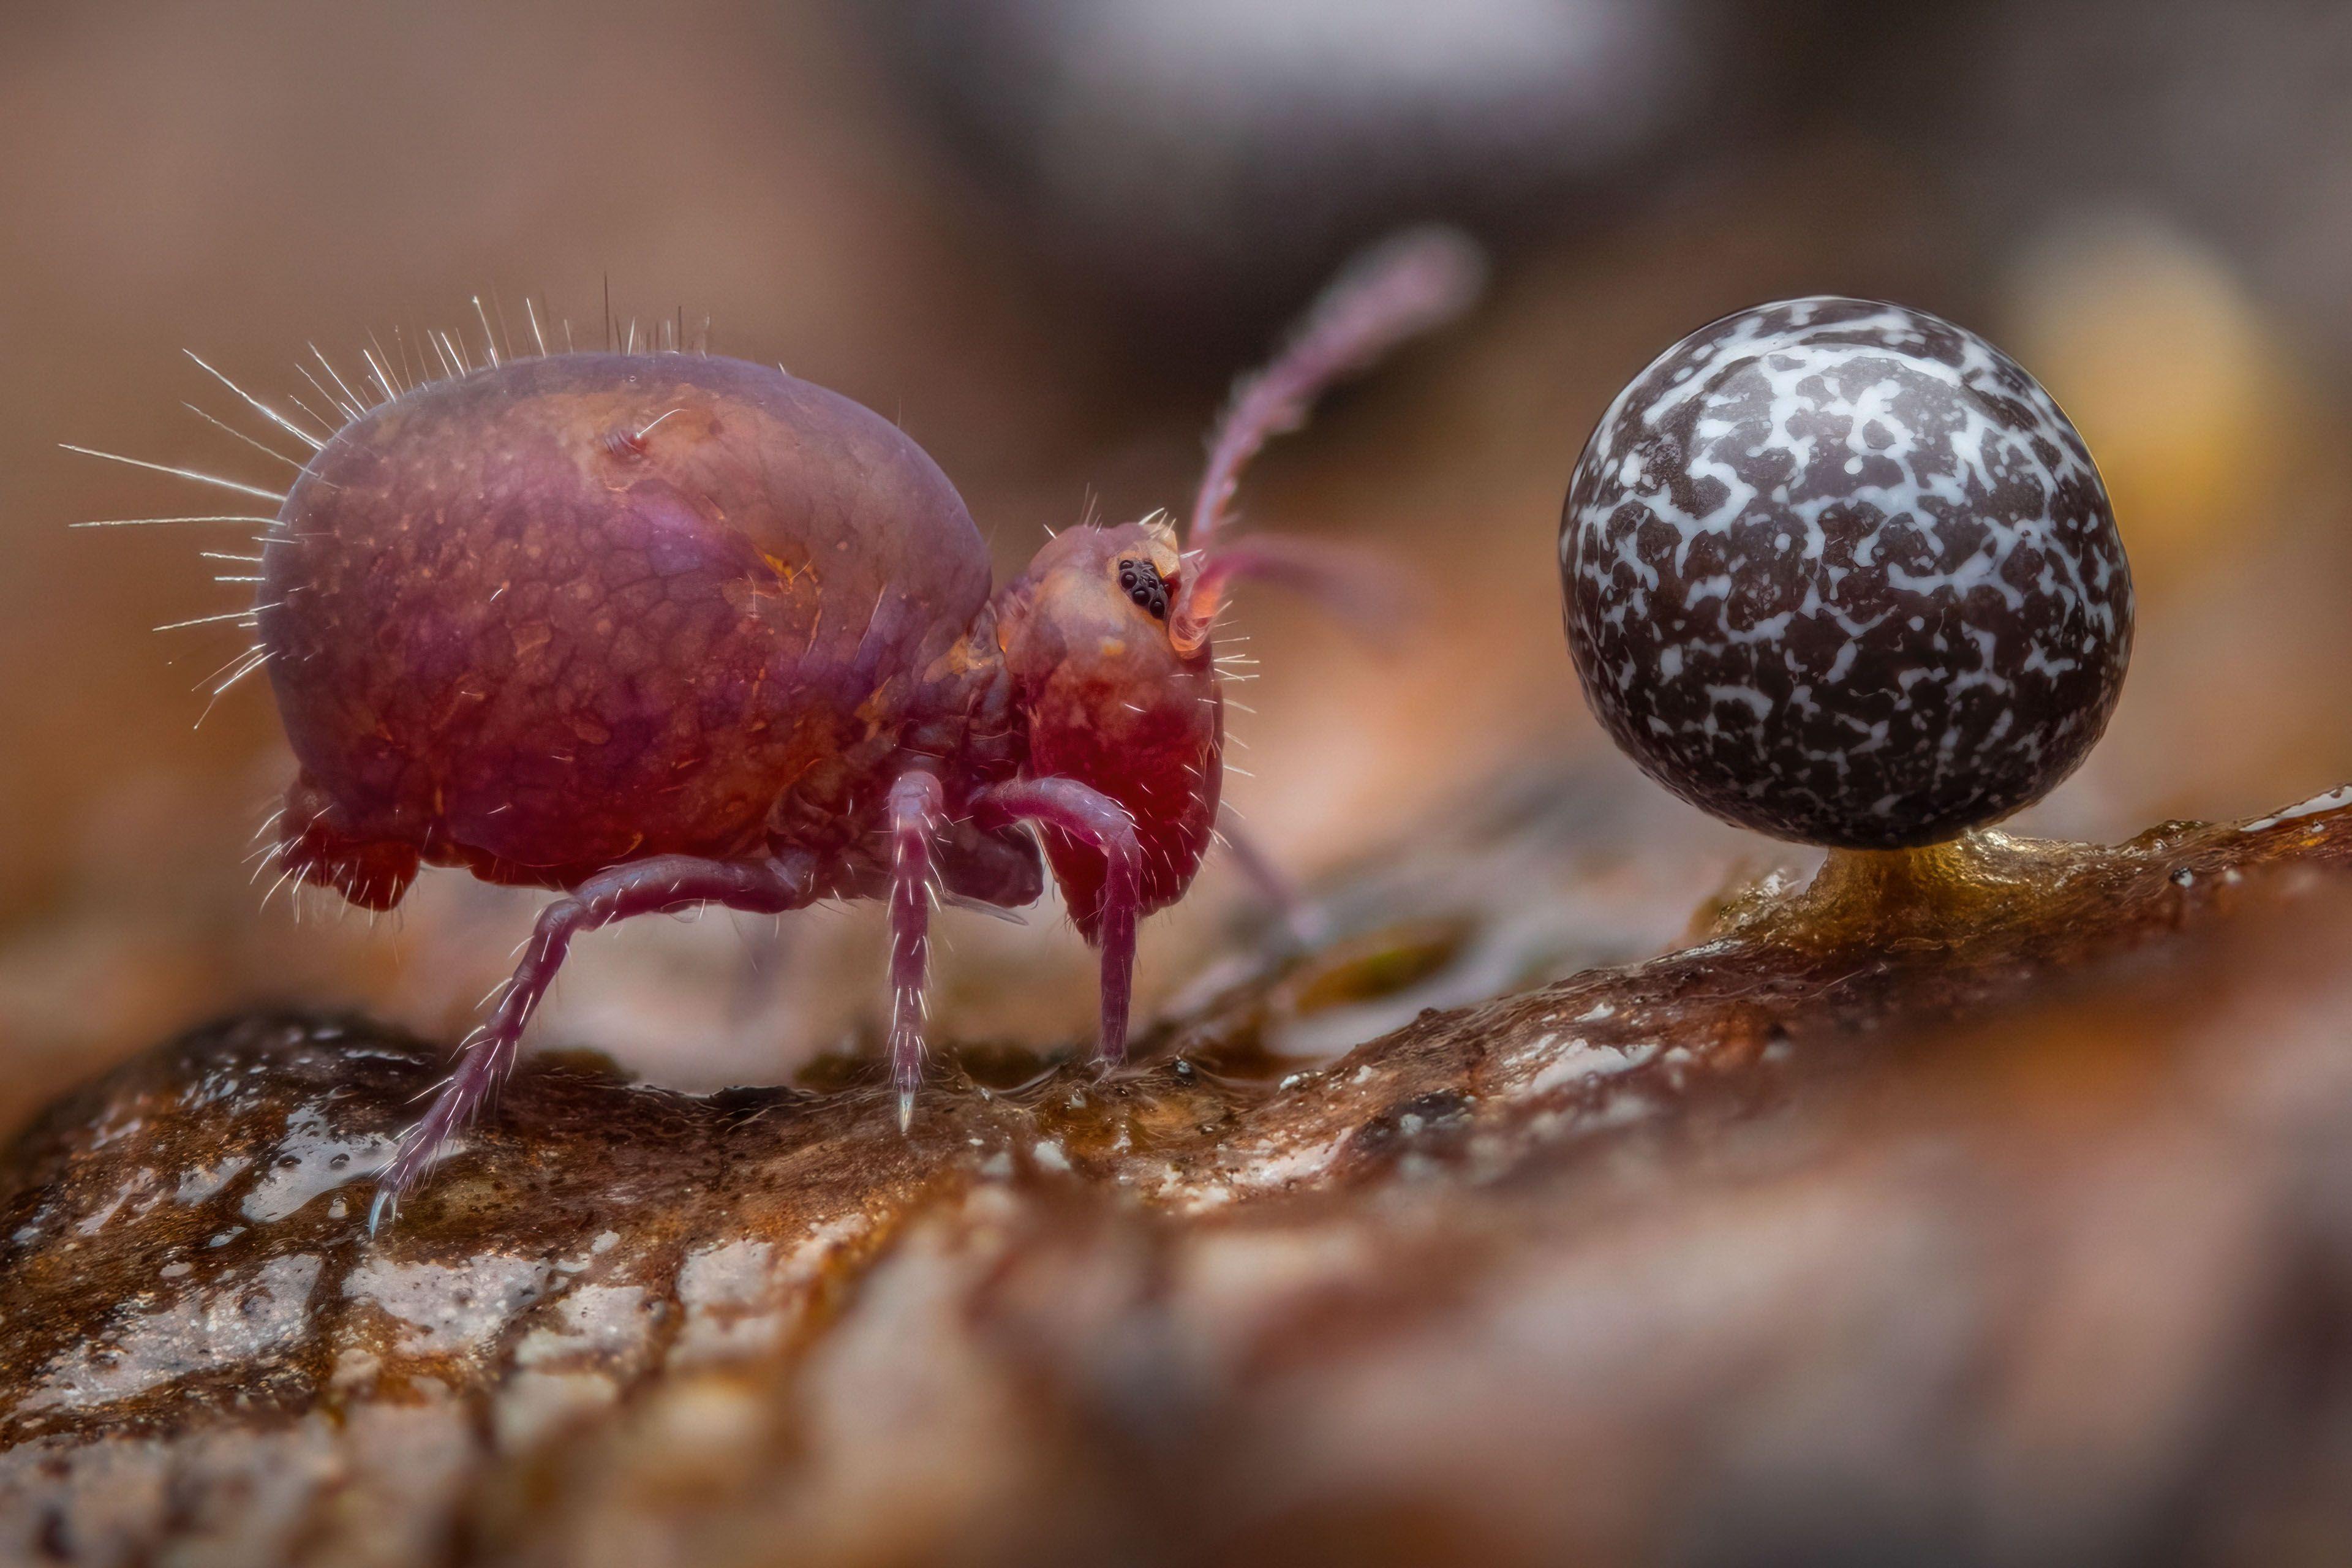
[1916, 461]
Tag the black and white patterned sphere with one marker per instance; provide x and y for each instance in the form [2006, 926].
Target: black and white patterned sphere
[1840, 572]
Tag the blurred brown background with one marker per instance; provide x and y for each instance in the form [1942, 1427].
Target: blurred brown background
[1044, 234]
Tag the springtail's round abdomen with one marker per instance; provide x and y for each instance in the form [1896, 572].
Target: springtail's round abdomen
[564, 612]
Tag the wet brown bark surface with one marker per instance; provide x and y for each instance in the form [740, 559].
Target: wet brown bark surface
[1822, 1241]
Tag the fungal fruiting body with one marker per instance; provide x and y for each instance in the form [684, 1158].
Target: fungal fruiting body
[666, 630]
[1842, 572]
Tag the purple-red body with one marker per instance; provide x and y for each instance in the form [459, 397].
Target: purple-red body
[570, 611]
[665, 630]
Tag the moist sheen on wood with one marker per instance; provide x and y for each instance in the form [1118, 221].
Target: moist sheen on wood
[1761, 1250]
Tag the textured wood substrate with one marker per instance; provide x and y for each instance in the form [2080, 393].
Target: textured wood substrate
[2033, 1247]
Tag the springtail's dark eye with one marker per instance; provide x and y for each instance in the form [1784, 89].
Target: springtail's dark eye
[1143, 584]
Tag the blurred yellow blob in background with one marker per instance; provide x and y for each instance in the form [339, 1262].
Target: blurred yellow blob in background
[2162, 361]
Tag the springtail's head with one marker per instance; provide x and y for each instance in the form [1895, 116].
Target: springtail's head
[1108, 634]
[1110, 700]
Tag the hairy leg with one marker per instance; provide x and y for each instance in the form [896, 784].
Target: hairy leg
[641, 888]
[913, 816]
[1093, 818]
